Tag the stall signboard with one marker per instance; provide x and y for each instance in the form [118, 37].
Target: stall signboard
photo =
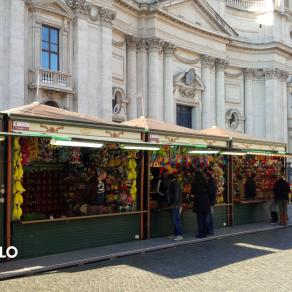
[20, 126]
[179, 140]
[76, 132]
[263, 147]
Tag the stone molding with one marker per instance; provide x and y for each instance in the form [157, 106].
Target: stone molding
[207, 61]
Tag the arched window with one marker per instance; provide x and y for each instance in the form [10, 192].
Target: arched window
[117, 101]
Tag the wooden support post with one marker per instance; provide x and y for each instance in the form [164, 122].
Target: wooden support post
[142, 192]
[9, 187]
[230, 188]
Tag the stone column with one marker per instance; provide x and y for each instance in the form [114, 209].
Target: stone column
[208, 119]
[106, 18]
[169, 101]
[248, 101]
[81, 68]
[17, 67]
[142, 77]
[284, 77]
[220, 93]
[155, 105]
[273, 121]
[131, 77]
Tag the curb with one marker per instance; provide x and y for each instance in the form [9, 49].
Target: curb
[39, 270]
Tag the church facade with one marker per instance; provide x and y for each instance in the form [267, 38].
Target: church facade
[197, 63]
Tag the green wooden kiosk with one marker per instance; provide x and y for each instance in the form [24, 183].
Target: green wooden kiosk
[42, 236]
[165, 134]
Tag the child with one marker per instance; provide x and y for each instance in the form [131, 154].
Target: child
[273, 209]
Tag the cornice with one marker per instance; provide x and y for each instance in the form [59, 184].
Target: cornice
[261, 47]
[152, 9]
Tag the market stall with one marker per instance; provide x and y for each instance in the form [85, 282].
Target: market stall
[182, 152]
[55, 202]
[252, 157]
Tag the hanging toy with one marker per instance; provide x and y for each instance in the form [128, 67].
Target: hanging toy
[18, 189]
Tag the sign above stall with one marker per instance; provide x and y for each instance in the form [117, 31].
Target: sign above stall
[20, 126]
[178, 140]
[263, 147]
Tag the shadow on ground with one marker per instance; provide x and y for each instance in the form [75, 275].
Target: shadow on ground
[202, 257]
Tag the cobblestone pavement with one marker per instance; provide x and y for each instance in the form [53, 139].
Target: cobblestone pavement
[255, 262]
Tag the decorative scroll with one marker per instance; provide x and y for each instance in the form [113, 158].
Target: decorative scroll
[185, 60]
[233, 76]
[118, 44]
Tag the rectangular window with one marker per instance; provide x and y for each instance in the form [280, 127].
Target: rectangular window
[50, 48]
[184, 116]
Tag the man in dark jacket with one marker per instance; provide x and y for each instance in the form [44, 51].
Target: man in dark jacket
[250, 187]
[212, 192]
[281, 190]
[201, 203]
[175, 200]
[95, 193]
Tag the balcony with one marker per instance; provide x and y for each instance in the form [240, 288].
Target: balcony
[50, 80]
[251, 5]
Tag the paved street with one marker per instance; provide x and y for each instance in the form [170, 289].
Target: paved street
[255, 262]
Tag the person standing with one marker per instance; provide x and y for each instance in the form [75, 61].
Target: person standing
[175, 200]
[95, 192]
[250, 187]
[201, 204]
[162, 188]
[212, 192]
[281, 190]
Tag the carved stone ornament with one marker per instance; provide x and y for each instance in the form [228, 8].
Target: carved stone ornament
[142, 44]
[93, 13]
[77, 5]
[107, 16]
[248, 73]
[155, 43]
[185, 60]
[233, 75]
[168, 48]
[221, 63]
[272, 73]
[188, 87]
[207, 60]
[131, 42]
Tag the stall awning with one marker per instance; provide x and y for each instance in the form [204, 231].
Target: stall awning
[40, 120]
[245, 141]
[171, 134]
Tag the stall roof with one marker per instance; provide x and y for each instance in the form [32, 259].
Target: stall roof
[39, 119]
[150, 124]
[167, 133]
[238, 137]
[227, 133]
[38, 110]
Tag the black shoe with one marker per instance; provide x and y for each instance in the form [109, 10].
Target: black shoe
[200, 236]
